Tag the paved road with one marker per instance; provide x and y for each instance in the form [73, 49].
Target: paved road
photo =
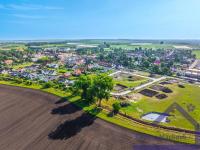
[194, 64]
[138, 87]
[33, 120]
[147, 84]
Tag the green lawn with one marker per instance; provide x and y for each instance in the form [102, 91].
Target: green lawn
[183, 96]
[197, 53]
[22, 65]
[130, 84]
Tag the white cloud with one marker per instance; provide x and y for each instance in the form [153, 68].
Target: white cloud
[29, 7]
[23, 16]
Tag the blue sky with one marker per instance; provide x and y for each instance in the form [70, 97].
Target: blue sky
[77, 19]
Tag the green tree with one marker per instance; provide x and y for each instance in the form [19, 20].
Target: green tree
[116, 107]
[155, 69]
[162, 42]
[47, 85]
[83, 83]
[102, 87]
[44, 60]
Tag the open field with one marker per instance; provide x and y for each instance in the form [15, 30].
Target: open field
[128, 81]
[197, 53]
[132, 46]
[19, 47]
[20, 66]
[32, 119]
[182, 47]
[187, 97]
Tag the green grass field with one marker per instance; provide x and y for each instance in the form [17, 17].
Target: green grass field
[22, 65]
[132, 47]
[183, 96]
[197, 53]
[129, 82]
[19, 47]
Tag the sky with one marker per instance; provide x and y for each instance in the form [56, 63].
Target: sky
[99, 19]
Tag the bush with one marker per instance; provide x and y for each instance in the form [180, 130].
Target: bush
[18, 81]
[47, 85]
[125, 104]
[116, 107]
[28, 82]
[181, 86]
[62, 71]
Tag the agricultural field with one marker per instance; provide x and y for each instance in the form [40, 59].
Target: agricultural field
[50, 45]
[197, 53]
[104, 114]
[19, 47]
[149, 45]
[48, 118]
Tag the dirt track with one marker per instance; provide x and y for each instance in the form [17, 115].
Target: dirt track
[31, 119]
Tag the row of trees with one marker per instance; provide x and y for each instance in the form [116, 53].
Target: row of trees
[94, 88]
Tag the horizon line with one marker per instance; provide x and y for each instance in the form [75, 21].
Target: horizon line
[74, 39]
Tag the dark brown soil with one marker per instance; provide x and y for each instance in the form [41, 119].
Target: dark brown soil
[119, 87]
[161, 96]
[161, 88]
[149, 93]
[164, 83]
[31, 119]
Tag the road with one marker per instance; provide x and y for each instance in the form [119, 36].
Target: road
[138, 87]
[194, 64]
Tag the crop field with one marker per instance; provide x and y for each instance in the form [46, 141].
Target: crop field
[32, 119]
[118, 119]
[53, 45]
[19, 47]
[133, 46]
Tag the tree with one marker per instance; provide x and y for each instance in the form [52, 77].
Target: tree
[116, 107]
[47, 85]
[162, 42]
[102, 87]
[90, 94]
[146, 64]
[83, 83]
[44, 60]
[155, 69]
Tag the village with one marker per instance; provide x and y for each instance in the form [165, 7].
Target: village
[99, 75]
[141, 77]
[64, 63]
